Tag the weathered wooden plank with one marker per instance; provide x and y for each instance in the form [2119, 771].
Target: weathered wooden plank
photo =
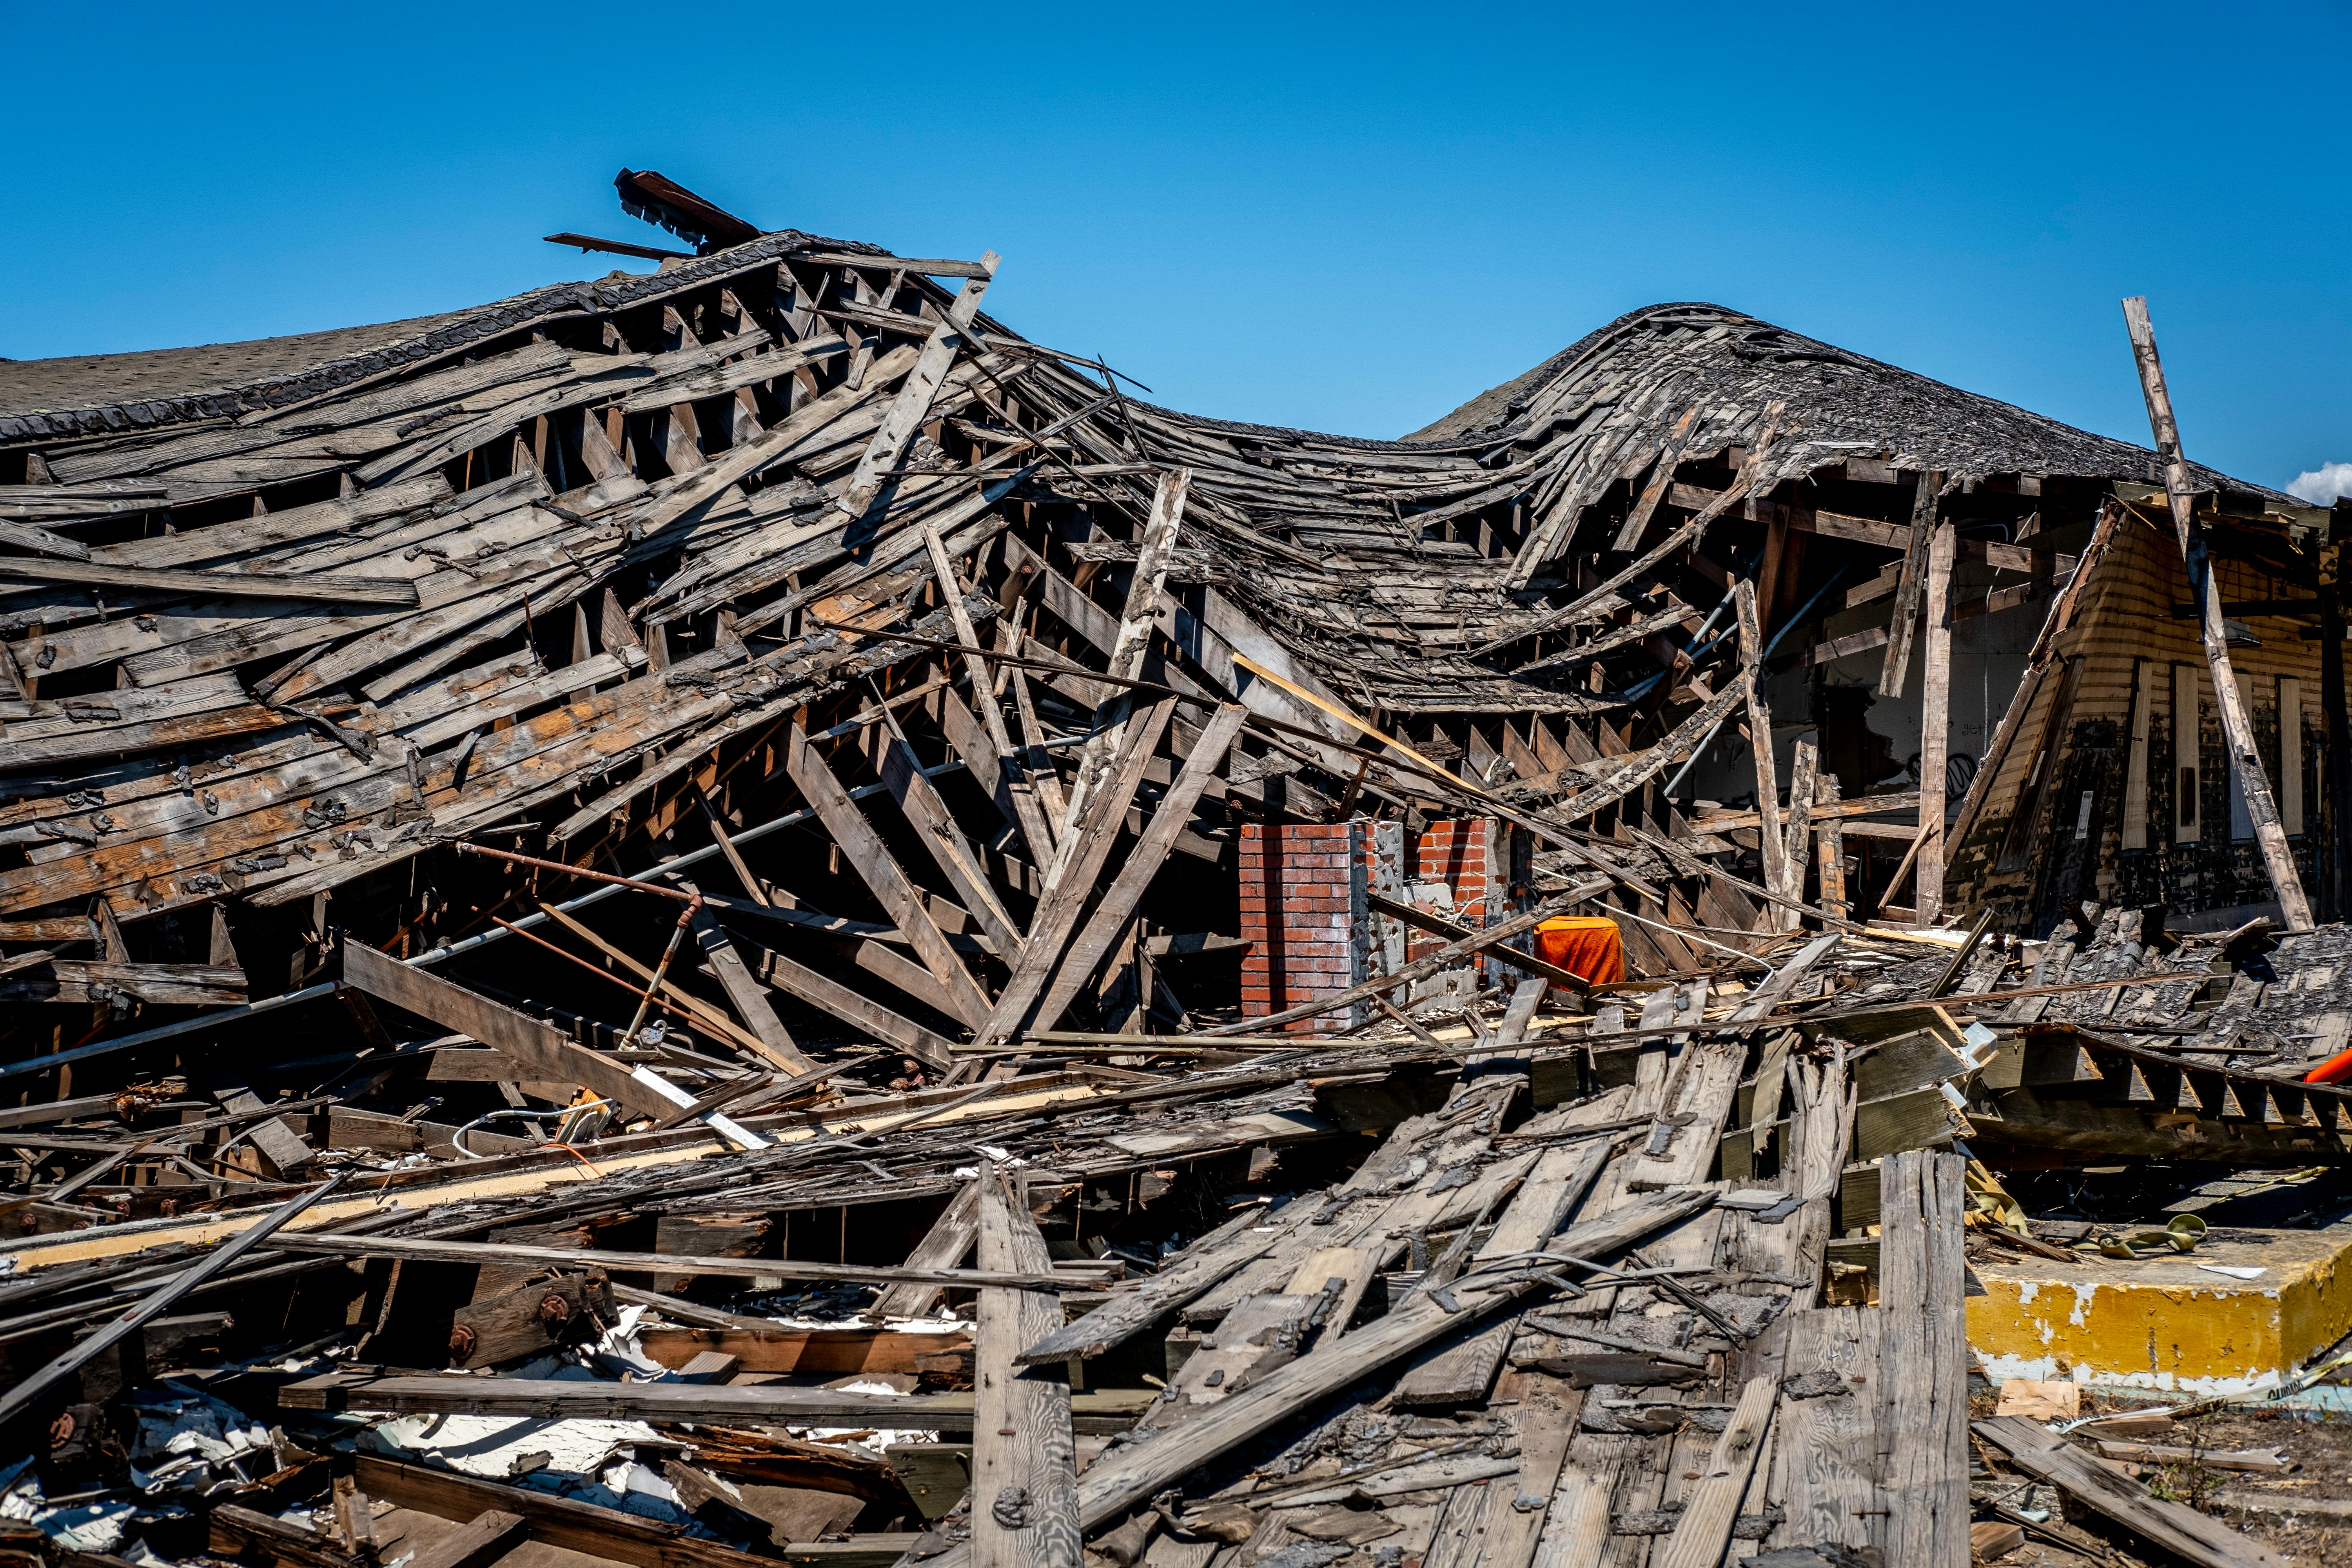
[537, 1051]
[1775, 843]
[744, 993]
[1117, 1481]
[478, 1543]
[1924, 1354]
[503, 1252]
[959, 993]
[2237, 722]
[936, 828]
[1057, 920]
[2107, 1487]
[1924, 499]
[1136, 1305]
[913, 402]
[1935, 722]
[1704, 1532]
[1114, 910]
[327, 587]
[944, 1245]
[1825, 1456]
[766, 1404]
[1023, 1461]
[880, 1022]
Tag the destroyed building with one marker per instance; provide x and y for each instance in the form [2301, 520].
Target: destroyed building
[746, 825]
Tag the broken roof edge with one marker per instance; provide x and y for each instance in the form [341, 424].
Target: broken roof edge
[438, 335]
[1500, 414]
[455, 331]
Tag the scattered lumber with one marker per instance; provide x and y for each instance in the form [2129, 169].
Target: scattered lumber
[731, 915]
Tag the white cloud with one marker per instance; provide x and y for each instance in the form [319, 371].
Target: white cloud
[2323, 484]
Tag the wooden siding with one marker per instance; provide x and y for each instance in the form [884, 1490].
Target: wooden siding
[2123, 625]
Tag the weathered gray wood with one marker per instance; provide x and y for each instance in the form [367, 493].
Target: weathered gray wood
[1024, 1462]
[539, 1052]
[1058, 916]
[1825, 1455]
[1117, 1481]
[1907, 587]
[1146, 587]
[1704, 1532]
[941, 834]
[2107, 1487]
[1804, 765]
[1773, 835]
[744, 994]
[1136, 1305]
[945, 1246]
[1924, 1356]
[440, 1251]
[2237, 723]
[327, 587]
[959, 993]
[760, 1404]
[1114, 910]
[1934, 725]
[913, 402]
[1462, 1373]
[880, 1022]
[480, 1542]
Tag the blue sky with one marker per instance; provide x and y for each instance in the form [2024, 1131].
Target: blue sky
[1346, 218]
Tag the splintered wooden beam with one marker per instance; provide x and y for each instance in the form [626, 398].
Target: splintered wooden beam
[751, 456]
[1119, 1480]
[1804, 765]
[1145, 590]
[1662, 478]
[959, 993]
[25, 536]
[1643, 766]
[1136, 1305]
[1024, 1482]
[989, 751]
[776, 1045]
[936, 828]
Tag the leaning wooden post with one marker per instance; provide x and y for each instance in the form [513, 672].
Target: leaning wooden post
[1752, 676]
[2336, 875]
[2237, 724]
[1935, 722]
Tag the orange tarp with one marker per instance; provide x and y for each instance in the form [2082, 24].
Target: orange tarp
[1588, 946]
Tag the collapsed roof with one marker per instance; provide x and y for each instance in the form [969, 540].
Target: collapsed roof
[868, 694]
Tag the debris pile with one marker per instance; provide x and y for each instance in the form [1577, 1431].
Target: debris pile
[730, 914]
